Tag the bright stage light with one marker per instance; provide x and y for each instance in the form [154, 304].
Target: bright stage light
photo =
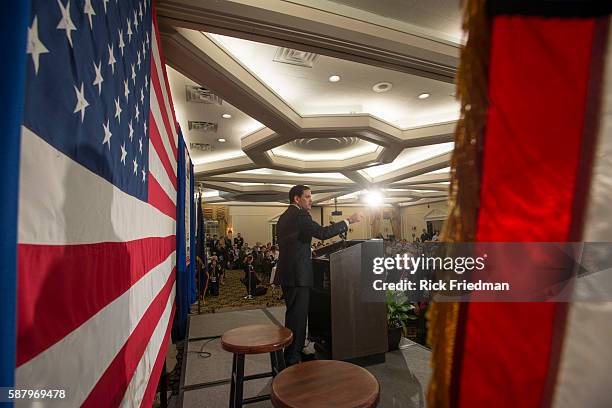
[374, 198]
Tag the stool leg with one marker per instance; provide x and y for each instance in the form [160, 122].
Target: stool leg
[239, 380]
[274, 363]
[232, 401]
[280, 360]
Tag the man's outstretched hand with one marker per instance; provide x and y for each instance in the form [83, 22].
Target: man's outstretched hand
[358, 216]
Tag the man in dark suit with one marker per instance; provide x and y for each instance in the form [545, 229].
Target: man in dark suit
[295, 229]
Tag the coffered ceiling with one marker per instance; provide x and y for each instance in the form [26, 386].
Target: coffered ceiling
[287, 122]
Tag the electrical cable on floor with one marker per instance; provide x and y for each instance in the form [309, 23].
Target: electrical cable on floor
[204, 354]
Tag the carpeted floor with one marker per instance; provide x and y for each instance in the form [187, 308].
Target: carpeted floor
[232, 293]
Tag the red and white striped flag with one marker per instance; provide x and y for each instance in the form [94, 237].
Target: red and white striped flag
[97, 204]
[544, 176]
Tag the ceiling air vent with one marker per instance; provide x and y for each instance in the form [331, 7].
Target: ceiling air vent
[295, 57]
[200, 126]
[205, 147]
[199, 94]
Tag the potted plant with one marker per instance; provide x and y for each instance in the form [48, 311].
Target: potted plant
[399, 312]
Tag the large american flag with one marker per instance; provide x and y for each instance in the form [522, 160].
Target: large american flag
[97, 204]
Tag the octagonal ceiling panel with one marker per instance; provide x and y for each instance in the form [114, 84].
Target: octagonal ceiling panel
[273, 172]
[332, 148]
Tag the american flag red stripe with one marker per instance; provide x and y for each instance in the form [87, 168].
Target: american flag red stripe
[159, 199]
[97, 265]
[111, 388]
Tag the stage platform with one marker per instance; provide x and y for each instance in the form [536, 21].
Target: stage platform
[205, 381]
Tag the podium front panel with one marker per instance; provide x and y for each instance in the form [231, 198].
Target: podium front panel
[359, 327]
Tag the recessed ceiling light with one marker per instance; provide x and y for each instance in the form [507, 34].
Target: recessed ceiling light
[226, 116]
[423, 96]
[382, 87]
[222, 140]
[334, 78]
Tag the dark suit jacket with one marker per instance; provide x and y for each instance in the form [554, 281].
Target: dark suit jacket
[295, 230]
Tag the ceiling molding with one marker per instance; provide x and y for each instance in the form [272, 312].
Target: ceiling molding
[230, 187]
[359, 178]
[430, 187]
[424, 166]
[228, 165]
[420, 179]
[423, 201]
[287, 24]
[319, 198]
[271, 178]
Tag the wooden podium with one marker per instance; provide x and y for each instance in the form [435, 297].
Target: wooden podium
[344, 324]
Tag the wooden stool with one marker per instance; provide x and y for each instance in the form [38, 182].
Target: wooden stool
[325, 383]
[254, 339]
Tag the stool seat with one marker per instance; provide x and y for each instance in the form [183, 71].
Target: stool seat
[325, 383]
[256, 339]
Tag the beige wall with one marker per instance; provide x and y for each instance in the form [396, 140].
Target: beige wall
[357, 231]
[361, 230]
[253, 221]
[415, 216]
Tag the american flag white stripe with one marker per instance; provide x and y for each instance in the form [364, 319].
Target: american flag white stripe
[71, 209]
[160, 73]
[62, 364]
[157, 116]
[135, 391]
